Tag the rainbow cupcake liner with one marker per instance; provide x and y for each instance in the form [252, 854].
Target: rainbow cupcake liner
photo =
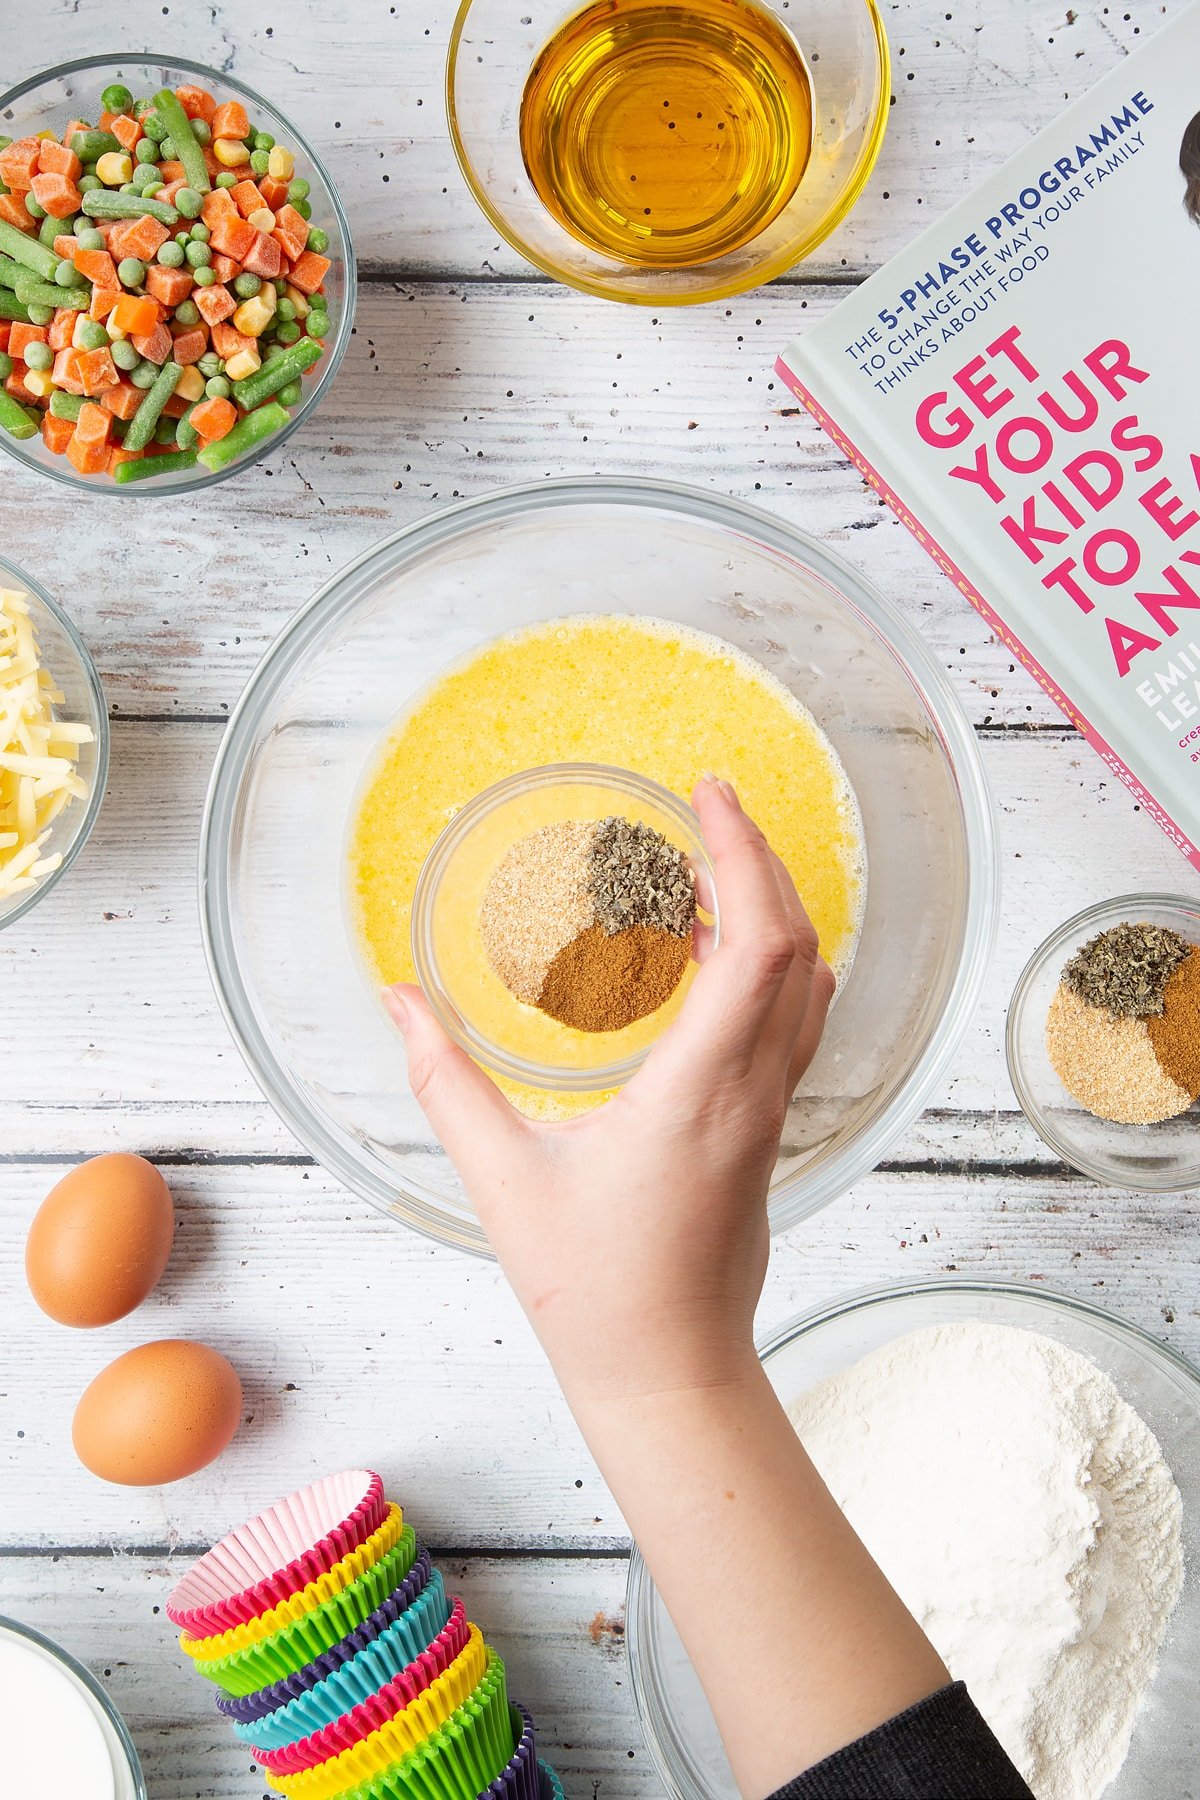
[334, 1581]
[315, 1632]
[552, 1787]
[462, 1759]
[403, 1734]
[354, 1682]
[374, 1712]
[278, 1553]
[520, 1779]
[421, 1594]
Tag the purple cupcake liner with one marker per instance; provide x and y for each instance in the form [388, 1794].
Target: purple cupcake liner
[520, 1779]
[247, 1708]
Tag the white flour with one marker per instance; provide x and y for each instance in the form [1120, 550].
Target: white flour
[1027, 1518]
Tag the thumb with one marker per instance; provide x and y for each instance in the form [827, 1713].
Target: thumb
[476, 1124]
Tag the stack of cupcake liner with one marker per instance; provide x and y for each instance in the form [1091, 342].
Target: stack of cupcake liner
[342, 1663]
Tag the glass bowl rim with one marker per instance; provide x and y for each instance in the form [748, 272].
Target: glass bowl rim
[1121, 906]
[606, 289]
[95, 799]
[640, 1585]
[545, 775]
[195, 483]
[84, 1675]
[885, 624]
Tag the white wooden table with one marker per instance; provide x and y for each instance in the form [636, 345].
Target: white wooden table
[357, 1341]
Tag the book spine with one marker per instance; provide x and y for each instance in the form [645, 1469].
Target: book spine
[967, 588]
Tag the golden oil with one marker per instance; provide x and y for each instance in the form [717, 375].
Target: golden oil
[667, 134]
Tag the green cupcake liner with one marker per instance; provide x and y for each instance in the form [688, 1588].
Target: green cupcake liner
[462, 1758]
[303, 1640]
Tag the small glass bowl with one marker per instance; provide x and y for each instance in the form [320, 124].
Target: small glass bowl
[128, 1780]
[1147, 1159]
[452, 966]
[46, 102]
[492, 48]
[65, 656]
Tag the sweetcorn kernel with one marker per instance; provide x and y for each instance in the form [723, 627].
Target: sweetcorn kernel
[231, 153]
[299, 301]
[253, 316]
[190, 385]
[113, 168]
[39, 382]
[242, 364]
[281, 164]
[262, 219]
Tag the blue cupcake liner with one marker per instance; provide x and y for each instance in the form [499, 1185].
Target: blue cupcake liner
[379, 1661]
[552, 1787]
[247, 1708]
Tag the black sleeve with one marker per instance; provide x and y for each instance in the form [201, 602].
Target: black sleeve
[940, 1749]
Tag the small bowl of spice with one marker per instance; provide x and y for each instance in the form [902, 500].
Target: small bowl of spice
[1104, 1042]
[557, 921]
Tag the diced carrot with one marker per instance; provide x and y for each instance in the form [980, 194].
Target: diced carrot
[227, 342]
[89, 459]
[65, 373]
[230, 121]
[217, 203]
[98, 266]
[97, 370]
[56, 433]
[62, 329]
[13, 211]
[171, 189]
[19, 164]
[232, 235]
[309, 271]
[122, 400]
[291, 231]
[119, 454]
[22, 335]
[57, 195]
[135, 314]
[189, 346]
[170, 285]
[225, 268]
[65, 247]
[214, 419]
[264, 257]
[142, 238]
[247, 198]
[104, 301]
[127, 131]
[214, 303]
[5, 328]
[74, 125]
[211, 164]
[106, 119]
[176, 406]
[197, 103]
[170, 171]
[274, 192]
[154, 345]
[56, 159]
[94, 424]
[14, 384]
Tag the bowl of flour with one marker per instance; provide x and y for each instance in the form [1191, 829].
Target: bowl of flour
[1025, 1468]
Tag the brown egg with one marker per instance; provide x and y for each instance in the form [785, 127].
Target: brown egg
[158, 1413]
[100, 1240]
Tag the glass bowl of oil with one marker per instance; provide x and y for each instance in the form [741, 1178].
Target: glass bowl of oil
[664, 152]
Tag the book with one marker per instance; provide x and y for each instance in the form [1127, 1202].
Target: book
[1022, 386]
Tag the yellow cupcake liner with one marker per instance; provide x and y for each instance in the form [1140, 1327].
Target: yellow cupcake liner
[419, 1720]
[462, 1758]
[304, 1639]
[335, 1581]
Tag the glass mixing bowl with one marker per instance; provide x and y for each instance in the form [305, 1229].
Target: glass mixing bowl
[1156, 1382]
[76, 1694]
[319, 705]
[64, 656]
[46, 103]
[1147, 1159]
[492, 48]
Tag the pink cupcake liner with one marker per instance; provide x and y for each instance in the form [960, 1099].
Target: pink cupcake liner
[371, 1714]
[277, 1554]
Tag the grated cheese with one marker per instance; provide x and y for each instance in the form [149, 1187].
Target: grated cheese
[38, 754]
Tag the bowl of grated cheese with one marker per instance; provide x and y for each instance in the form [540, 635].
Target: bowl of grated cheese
[53, 743]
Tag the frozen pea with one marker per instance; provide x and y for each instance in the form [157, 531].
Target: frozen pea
[187, 203]
[124, 355]
[6, 365]
[67, 275]
[145, 374]
[141, 108]
[131, 272]
[92, 335]
[186, 313]
[245, 285]
[33, 207]
[89, 239]
[183, 238]
[167, 149]
[39, 356]
[40, 315]
[152, 188]
[127, 187]
[154, 126]
[209, 364]
[204, 276]
[202, 131]
[164, 431]
[200, 233]
[116, 98]
[262, 140]
[216, 387]
[318, 240]
[170, 254]
[259, 162]
[50, 228]
[198, 255]
[146, 150]
[298, 190]
[288, 332]
[285, 310]
[290, 394]
[317, 324]
[87, 184]
[226, 179]
[304, 208]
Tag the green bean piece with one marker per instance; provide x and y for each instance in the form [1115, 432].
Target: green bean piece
[40, 293]
[141, 426]
[251, 430]
[152, 188]
[12, 308]
[66, 406]
[146, 467]
[116, 98]
[187, 150]
[90, 146]
[49, 229]
[276, 374]
[33, 206]
[124, 355]
[186, 435]
[202, 131]
[104, 204]
[6, 366]
[17, 420]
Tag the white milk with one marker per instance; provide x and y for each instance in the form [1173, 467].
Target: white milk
[56, 1735]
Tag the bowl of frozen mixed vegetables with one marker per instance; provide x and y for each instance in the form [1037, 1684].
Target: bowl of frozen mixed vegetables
[177, 281]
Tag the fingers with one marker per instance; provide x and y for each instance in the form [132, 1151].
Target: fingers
[470, 1115]
[812, 1028]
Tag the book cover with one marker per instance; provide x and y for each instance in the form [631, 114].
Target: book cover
[1022, 386]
